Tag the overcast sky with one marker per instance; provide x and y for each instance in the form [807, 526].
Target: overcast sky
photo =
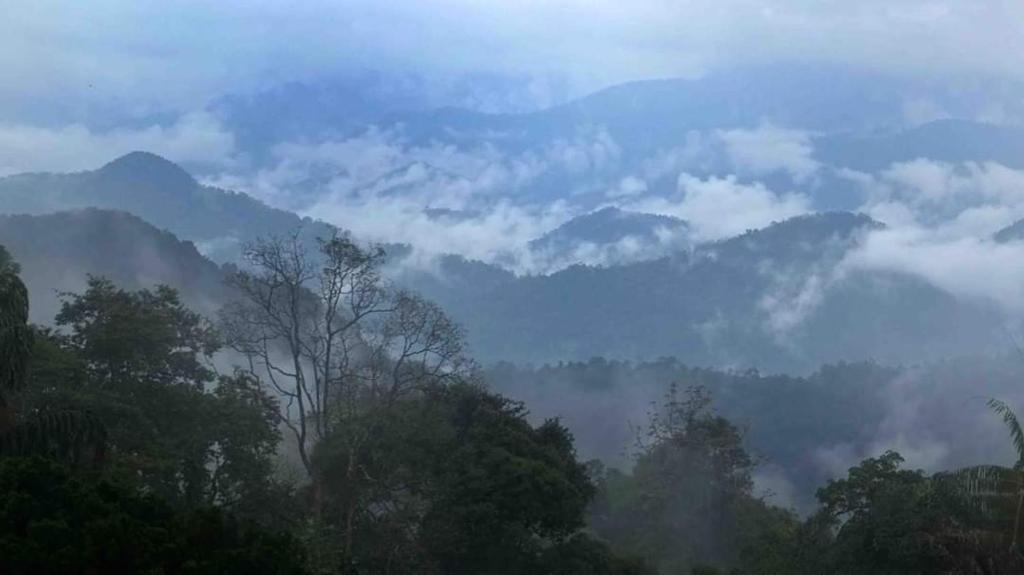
[62, 58]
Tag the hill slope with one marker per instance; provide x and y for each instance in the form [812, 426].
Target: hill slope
[770, 299]
[161, 193]
[57, 251]
[609, 236]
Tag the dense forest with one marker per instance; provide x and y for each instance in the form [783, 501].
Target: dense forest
[324, 421]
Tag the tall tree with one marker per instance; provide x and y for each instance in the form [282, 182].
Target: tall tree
[331, 338]
[337, 345]
[127, 337]
[456, 480]
[66, 433]
[58, 520]
[688, 500]
[141, 362]
[886, 519]
[15, 335]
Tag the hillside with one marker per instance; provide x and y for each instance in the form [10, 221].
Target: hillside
[609, 236]
[161, 193]
[942, 140]
[770, 299]
[775, 298]
[57, 251]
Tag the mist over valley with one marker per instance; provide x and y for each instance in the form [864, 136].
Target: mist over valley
[660, 289]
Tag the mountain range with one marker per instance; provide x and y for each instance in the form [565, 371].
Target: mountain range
[602, 273]
[771, 298]
[652, 129]
[161, 193]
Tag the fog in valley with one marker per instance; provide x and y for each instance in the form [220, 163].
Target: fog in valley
[512, 287]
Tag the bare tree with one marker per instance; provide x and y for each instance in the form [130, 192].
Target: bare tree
[332, 339]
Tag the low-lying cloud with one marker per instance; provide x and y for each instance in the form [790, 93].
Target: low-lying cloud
[439, 198]
[940, 219]
[770, 149]
[384, 188]
[720, 207]
[968, 267]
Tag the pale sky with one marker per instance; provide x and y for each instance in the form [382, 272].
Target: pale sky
[63, 59]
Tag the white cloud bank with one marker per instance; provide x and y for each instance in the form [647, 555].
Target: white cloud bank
[770, 149]
[974, 268]
[384, 188]
[940, 220]
[719, 207]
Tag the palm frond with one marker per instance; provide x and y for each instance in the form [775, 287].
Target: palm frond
[1016, 433]
[991, 490]
[988, 480]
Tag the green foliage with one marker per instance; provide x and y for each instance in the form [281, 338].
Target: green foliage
[890, 520]
[418, 472]
[993, 491]
[882, 519]
[584, 555]
[789, 416]
[54, 521]
[125, 337]
[997, 492]
[721, 285]
[67, 435]
[436, 478]
[63, 433]
[138, 363]
[15, 336]
[689, 498]
[463, 484]
[1013, 426]
[788, 546]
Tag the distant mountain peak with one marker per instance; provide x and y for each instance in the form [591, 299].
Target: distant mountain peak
[805, 236]
[608, 225]
[609, 236]
[820, 223]
[147, 166]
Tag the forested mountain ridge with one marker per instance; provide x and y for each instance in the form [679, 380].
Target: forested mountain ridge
[807, 428]
[761, 124]
[775, 299]
[779, 298]
[649, 114]
[944, 140]
[58, 251]
[161, 193]
[609, 236]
